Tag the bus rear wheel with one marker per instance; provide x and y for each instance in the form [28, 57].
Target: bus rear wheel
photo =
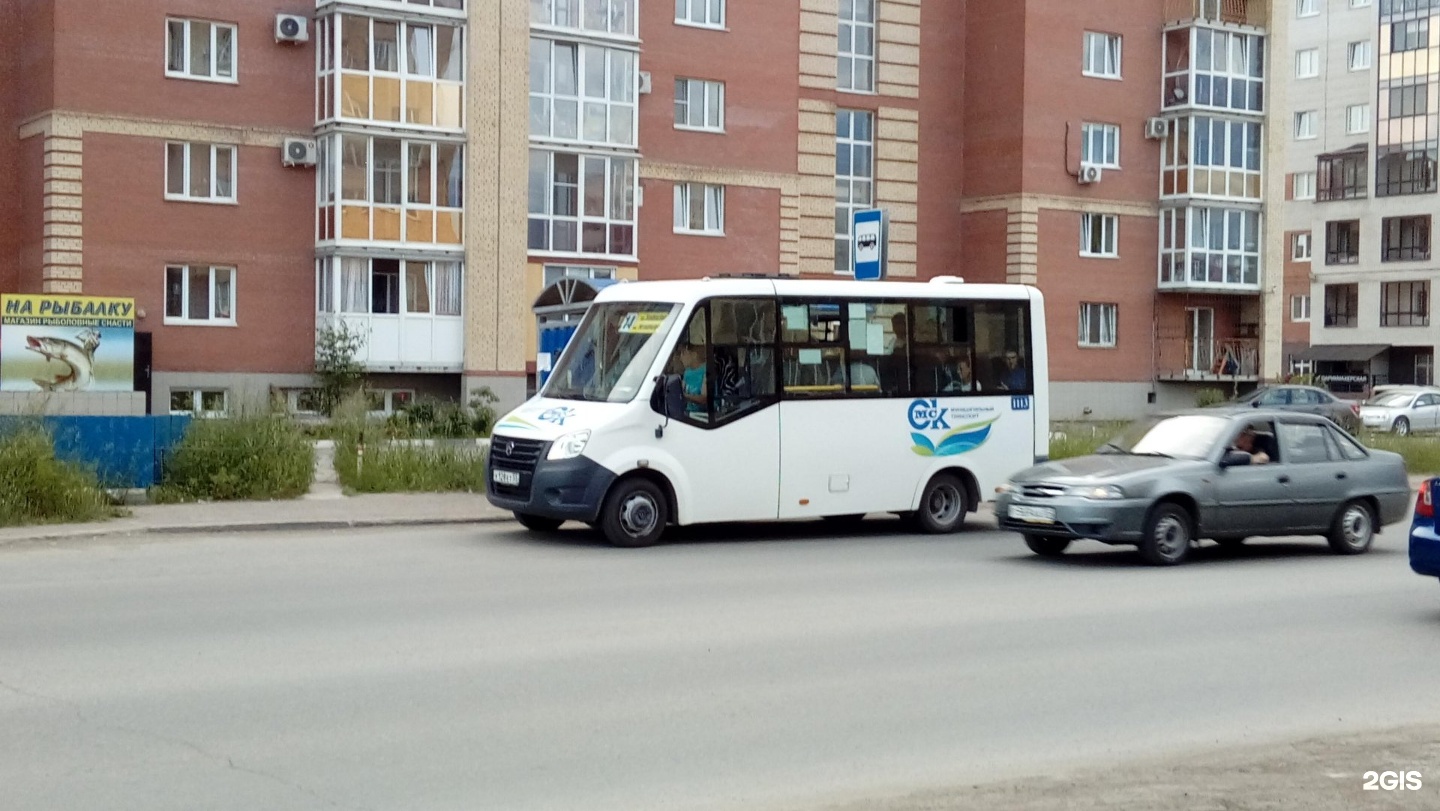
[943, 505]
[635, 514]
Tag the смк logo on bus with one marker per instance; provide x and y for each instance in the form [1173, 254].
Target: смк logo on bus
[929, 415]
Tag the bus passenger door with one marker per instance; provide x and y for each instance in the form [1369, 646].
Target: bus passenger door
[728, 441]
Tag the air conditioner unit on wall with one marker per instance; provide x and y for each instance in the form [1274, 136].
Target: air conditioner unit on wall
[291, 28]
[297, 152]
[1157, 128]
[644, 81]
[1089, 173]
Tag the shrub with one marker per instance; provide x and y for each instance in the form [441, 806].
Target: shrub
[35, 487]
[337, 364]
[1205, 398]
[404, 468]
[247, 457]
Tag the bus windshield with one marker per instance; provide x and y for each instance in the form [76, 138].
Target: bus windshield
[611, 352]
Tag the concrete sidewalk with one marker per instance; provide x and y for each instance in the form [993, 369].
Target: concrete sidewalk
[371, 510]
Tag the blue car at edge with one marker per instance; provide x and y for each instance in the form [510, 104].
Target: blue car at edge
[1424, 541]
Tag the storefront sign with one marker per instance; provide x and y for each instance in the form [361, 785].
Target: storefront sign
[67, 343]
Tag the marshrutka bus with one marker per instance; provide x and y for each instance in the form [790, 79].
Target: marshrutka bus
[759, 399]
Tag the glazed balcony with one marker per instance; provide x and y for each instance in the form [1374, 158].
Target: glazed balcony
[1230, 12]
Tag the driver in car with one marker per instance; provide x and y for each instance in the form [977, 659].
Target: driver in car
[1246, 442]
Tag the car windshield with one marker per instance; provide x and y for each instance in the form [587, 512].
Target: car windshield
[1189, 436]
[611, 352]
[1393, 399]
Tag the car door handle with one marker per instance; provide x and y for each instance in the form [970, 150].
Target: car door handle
[1340, 475]
[1284, 479]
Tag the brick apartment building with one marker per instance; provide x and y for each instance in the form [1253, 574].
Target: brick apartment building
[467, 155]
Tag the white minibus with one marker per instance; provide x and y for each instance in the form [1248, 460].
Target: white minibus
[760, 399]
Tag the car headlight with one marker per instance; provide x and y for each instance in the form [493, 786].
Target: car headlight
[1104, 492]
[1004, 488]
[569, 446]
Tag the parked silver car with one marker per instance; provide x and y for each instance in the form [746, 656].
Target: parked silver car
[1403, 410]
[1168, 481]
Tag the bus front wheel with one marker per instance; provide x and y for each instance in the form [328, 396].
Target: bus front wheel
[635, 513]
[942, 505]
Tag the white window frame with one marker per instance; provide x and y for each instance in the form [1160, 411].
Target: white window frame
[855, 35]
[197, 402]
[618, 99]
[185, 319]
[186, 148]
[1302, 131]
[1103, 55]
[1103, 136]
[711, 13]
[1105, 330]
[845, 209]
[1302, 367]
[1362, 48]
[1307, 8]
[1109, 225]
[1359, 3]
[388, 403]
[1303, 190]
[552, 273]
[628, 197]
[1307, 63]
[1301, 246]
[707, 90]
[346, 287]
[712, 208]
[1357, 114]
[214, 65]
[1300, 308]
[614, 18]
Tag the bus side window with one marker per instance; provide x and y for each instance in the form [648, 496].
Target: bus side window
[743, 335]
[943, 354]
[814, 357]
[879, 342]
[1002, 340]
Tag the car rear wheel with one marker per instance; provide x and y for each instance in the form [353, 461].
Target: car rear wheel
[536, 523]
[1401, 426]
[1354, 529]
[1047, 547]
[1167, 536]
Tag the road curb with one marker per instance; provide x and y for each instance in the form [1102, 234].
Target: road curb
[276, 526]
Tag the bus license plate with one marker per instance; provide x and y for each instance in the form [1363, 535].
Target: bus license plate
[1033, 515]
[508, 478]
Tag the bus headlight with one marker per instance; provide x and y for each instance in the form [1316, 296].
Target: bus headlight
[569, 446]
[1104, 492]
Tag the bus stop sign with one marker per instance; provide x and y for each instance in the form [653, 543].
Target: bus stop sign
[868, 235]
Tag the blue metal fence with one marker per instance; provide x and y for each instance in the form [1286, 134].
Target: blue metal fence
[125, 452]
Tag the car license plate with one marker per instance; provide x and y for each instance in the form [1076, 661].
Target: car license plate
[1033, 515]
[508, 478]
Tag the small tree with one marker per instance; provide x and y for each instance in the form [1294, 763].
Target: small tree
[337, 365]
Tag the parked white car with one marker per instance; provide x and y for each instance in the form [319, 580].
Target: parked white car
[1402, 410]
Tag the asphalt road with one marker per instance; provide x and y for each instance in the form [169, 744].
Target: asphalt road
[741, 668]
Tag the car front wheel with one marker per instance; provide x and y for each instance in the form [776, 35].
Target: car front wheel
[1167, 535]
[1401, 427]
[1353, 530]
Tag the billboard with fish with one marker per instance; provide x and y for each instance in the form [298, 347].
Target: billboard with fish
[67, 343]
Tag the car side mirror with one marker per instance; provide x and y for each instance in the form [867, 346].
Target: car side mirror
[1254, 403]
[1234, 458]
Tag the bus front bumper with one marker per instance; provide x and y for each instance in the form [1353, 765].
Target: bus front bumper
[563, 489]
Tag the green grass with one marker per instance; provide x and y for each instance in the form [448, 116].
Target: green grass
[243, 458]
[409, 469]
[37, 488]
[1070, 439]
[1422, 453]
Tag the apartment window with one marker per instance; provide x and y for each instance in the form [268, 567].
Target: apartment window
[380, 286]
[600, 16]
[1300, 246]
[1342, 242]
[1100, 145]
[1341, 303]
[1304, 186]
[200, 50]
[699, 209]
[1307, 63]
[1210, 68]
[1102, 55]
[1405, 238]
[582, 93]
[699, 105]
[1359, 55]
[856, 46]
[1304, 125]
[393, 72]
[582, 203]
[200, 172]
[1408, 100]
[1359, 3]
[1098, 235]
[1399, 171]
[1212, 156]
[854, 176]
[199, 402]
[705, 13]
[200, 294]
[1300, 308]
[393, 190]
[1409, 35]
[1343, 175]
[1405, 304]
[1301, 367]
[1357, 119]
[1307, 8]
[554, 273]
[1097, 324]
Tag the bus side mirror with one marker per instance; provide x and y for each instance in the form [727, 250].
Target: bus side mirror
[668, 396]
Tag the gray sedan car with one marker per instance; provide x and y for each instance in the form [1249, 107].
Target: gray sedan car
[1171, 480]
